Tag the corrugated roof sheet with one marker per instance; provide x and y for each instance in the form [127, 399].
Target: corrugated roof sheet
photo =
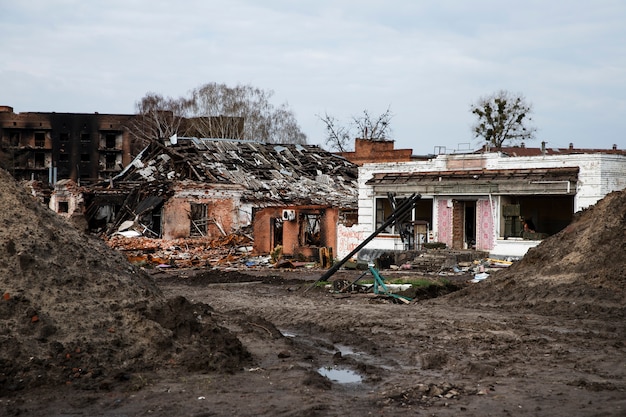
[289, 173]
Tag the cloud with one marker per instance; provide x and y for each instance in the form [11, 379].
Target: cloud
[426, 61]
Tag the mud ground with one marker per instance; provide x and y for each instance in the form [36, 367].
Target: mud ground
[432, 357]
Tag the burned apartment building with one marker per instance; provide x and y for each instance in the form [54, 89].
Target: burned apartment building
[46, 147]
[88, 147]
[288, 196]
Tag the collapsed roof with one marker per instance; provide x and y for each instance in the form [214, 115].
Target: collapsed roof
[286, 174]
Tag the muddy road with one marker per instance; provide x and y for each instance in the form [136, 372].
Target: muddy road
[321, 353]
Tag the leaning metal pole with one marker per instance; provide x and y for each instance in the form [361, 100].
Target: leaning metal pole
[395, 215]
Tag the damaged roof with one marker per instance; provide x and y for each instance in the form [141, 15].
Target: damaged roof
[271, 173]
[561, 180]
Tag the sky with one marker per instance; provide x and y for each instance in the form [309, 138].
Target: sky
[425, 61]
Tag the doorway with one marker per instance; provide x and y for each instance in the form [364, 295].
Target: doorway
[470, 225]
[464, 224]
[276, 234]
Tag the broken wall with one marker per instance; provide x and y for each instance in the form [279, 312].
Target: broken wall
[196, 211]
[294, 238]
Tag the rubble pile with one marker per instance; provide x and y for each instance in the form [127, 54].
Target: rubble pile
[183, 253]
[74, 311]
[581, 271]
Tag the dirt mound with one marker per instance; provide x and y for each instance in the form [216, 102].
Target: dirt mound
[74, 311]
[581, 271]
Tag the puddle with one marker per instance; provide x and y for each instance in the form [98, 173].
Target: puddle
[343, 376]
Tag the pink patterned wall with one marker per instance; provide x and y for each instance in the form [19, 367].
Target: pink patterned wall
[485, 226]
[444, 226]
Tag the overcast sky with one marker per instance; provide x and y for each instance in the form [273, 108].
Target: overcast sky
[426, 61]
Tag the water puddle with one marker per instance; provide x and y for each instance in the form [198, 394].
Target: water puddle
[342, 376]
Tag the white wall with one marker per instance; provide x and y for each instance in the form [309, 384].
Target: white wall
[599, 174]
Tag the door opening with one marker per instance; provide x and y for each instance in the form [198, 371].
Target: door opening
[470, 225]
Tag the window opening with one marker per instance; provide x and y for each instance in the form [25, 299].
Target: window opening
[64, 207]
[40, 139]
[384, 208]
[110, 140]
[383, 211]
[64, 137]
[511, 214]
[40, 160]
[310, 230]
[85, 137]
[111, 161]
[15, 138]
[198, 218]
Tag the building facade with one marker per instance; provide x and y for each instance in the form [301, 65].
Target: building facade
[89, 147]
[83, 147]
[502, 202]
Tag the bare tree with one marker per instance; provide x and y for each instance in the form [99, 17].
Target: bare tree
[338, 136]
[262, 120]
[502, 117]
[216, 110]
[373, 129]
[157, 118]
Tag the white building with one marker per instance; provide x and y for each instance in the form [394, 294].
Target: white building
[480, 200]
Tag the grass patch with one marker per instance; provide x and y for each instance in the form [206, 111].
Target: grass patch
[416, 282]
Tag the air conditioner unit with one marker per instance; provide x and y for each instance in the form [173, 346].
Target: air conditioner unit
[289, 215]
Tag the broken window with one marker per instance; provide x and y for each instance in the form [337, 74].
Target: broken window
[85, 137]
[111, 160]
[384, 209]
[40, 160]
[547, 215]
[110, 140]
[40, 139]
[310, 229]
[64, 157]
[14, 138]
[63, 207]
[198, 218]
[85, 157]
[512, 224]
[64, 137]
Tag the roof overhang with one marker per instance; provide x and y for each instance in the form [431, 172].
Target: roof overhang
[542, 181]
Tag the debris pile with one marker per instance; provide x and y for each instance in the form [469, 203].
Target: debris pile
[184, 253]
[579, 272]
[74, 311]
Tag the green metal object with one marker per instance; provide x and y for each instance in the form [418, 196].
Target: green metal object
[379, 283]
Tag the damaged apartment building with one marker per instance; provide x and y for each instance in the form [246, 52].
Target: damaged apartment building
[500, 201]
[54, 150]
[289, 196]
